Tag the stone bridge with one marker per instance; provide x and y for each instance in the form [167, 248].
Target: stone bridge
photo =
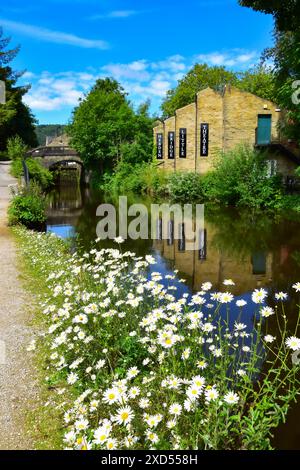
[52, 157]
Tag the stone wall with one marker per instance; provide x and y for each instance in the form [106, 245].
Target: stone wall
[210, 111]
[241, 110]
[232, 117]
[186, 118]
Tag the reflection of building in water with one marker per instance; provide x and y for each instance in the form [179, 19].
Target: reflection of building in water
[208, 263]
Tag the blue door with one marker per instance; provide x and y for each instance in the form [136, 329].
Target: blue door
[264, 129]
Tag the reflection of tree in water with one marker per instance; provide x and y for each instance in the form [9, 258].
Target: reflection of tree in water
[87, 222]
[242, 233]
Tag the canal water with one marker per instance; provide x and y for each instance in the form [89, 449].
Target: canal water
[254, 250]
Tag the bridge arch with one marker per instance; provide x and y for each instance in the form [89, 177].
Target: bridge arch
[54, 156]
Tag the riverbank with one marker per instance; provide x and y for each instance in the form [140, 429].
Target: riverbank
[19, 389]
[238, 178]
[127, 376]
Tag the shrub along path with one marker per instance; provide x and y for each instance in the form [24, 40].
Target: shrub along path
[18, 383]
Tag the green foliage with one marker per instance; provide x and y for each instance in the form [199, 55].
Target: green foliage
[185, 186]
[44, 130]
[285, 55]
[16, 150]
[240, 179]
[15, 116]
[105, 129]
[286, 13]
[242, 394]
[37, 172]
[198, 78]
[258, 81]
[290, 202]
[143, 178]
[28, 207]
[287, 68]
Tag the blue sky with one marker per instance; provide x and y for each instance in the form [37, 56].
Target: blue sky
[146, 45]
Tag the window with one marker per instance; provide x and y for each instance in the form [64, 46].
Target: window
[259, 263]
[272, 166]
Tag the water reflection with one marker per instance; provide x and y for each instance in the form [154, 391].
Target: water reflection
[255, 250]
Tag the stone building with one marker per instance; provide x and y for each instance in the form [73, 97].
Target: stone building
[219, 121]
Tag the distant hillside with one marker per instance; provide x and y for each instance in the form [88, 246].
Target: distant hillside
[51, 130]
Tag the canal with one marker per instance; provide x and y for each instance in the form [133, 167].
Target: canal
[255, 250]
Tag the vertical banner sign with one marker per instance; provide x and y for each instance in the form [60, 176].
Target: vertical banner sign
[171, 145]
[204, 140]
[181, 241]
[202, 245]
[159, 146]
[159, 229]
[171, 233]
[182, 143]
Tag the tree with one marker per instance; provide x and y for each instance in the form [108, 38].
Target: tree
[105, 129]
[15, 117]
[286, 57]
[259, 81]
[48, 130]
[198, 78]
[286, 12]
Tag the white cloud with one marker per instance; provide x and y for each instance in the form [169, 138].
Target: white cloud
[136, 70]
[229, 59]
[49, 35]
[114, 14]
[142, 79]
[174, 63]
[54, 92]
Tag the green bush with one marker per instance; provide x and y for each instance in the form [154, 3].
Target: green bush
[36, 171]
[185, 187]
[140, 178]
[28, 207]
[16, 148]
[240, 178]
[16, 151]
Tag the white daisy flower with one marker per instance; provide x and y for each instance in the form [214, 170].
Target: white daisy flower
[211, 394]
[112, 395]
[231, 398]
[293, 343]
[259, 296]
[226, 298]
[228, 282]
[175, 409]
[124, 415]
[269, 338]
[267, 312]
[281, 296]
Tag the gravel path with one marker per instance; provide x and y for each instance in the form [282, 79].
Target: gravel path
[18, 384]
